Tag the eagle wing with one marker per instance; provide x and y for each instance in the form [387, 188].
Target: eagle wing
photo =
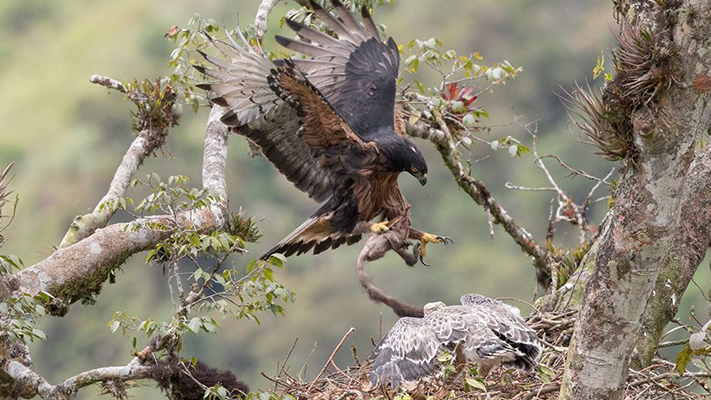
[355, 71]
[407, 352]
[410, 349]
[247, 86]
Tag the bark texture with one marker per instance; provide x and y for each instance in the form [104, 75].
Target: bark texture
[639, 239]
[692, 239]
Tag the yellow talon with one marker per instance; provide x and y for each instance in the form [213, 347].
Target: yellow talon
[380, 227]
[430, 238]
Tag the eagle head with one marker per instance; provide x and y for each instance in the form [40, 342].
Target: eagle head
[404, 156]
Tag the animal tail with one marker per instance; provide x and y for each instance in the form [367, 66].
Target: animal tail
[315, 233]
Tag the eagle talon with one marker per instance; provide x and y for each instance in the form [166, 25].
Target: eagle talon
[380, 227]
[422, 260]
[430, 238]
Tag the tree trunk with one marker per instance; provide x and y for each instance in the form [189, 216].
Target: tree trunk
[689, 249]
[643, 227]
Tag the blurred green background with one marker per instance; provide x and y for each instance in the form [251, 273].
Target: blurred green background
[67, 136]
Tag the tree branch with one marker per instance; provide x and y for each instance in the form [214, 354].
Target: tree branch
[130, 372]
[215, 154]
[27, 376]
[78, 271]
[145, 144]
[476, 189]
[262, 18]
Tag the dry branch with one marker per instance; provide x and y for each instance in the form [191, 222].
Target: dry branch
[262, 17]
[476, 189]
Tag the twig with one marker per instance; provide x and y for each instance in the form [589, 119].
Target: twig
[542, 390]
[521, 301]
[509, 185]
[478, 191]
[108, 82]
[306, 364]
[286, 360]
[573, 170]
[333, 354]
[672, 343]
[672, 374]
[262, 18]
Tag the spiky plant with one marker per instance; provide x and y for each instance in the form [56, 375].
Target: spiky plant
[643, 65]
[602, 124]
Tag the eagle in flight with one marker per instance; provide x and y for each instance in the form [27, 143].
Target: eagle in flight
[481, 330]
[328, 122]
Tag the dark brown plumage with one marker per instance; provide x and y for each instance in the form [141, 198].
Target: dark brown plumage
[327, 122]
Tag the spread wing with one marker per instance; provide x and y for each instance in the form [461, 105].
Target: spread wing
[406, 353]
[280, 111]
[409, 351]
[355, 71]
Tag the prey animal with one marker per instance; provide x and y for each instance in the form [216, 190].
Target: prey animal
[328, 122]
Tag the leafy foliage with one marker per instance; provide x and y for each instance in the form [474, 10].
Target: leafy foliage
[696, 351]
[216, 285]
[183, 75]
[454, 99]
[155, 106]
[20, 314]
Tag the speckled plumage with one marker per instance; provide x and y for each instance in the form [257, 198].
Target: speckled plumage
[482, 330]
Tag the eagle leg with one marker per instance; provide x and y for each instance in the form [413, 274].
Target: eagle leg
[384, 226]
[379, 227]
[425, 238]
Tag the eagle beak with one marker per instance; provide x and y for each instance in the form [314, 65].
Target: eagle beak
[422, 179]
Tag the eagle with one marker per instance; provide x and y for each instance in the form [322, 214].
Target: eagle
[480, 330]
[327, 122]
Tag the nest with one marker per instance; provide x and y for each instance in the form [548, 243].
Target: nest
[658, 381]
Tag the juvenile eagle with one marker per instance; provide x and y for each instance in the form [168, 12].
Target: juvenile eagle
[481, 330]
[328, 123]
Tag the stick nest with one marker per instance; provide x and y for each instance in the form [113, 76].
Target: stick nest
[658, 381]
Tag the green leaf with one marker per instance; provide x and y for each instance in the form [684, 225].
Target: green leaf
[277, 260]
[194, 325]
[114, 325]
[40, 334]
[545, 373]
[683, 358]
[444, 357]
[476, 384]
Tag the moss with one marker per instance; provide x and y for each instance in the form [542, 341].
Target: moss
[659, 312]
[84, 290]
[571, 299]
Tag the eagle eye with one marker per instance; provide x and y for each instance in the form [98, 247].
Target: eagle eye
[413, 169]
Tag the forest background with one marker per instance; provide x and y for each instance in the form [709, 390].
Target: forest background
[66, 137]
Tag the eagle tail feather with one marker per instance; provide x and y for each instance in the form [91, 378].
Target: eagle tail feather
[315, 233]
